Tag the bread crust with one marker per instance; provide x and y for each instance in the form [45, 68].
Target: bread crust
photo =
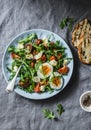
[84, 50]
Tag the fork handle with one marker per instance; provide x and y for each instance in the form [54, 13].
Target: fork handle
[10, 86]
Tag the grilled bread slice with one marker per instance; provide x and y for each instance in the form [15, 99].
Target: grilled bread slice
[84, 49]
[80, 29]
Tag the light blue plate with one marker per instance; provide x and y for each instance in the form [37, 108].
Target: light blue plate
[41, 34]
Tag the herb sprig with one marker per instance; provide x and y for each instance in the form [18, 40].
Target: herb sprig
[60, 109]
[50, 114]
[67, 22]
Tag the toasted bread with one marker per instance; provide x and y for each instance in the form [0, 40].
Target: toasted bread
[84, 49]
[79, 31]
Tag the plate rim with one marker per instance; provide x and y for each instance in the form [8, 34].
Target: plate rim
[38, 29]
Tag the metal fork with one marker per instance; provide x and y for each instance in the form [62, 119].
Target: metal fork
[10, 86]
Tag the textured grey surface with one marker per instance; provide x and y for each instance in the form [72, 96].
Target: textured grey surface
[18, 113]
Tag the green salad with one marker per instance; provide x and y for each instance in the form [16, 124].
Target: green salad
[44, 64]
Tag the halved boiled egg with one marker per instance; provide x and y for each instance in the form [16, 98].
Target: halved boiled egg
[45, 70]
[56, 81]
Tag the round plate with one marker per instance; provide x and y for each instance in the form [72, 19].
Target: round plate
[41, 34]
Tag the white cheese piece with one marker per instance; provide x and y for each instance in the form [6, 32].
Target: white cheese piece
[20, 46]
[15, 68]
[53, 62]
[45, 41]
[27, 51]
[36, 79]
[38, 55]
[29, 56]
[65, 62]
[56, 74]
[42, 88]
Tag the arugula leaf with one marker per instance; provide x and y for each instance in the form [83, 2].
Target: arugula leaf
[29, 89]
[37, 65]
[57, 43]
[48, 88]
[28, 38]
[11, 76]
[60, 109]
[48, 114]
[11, 49]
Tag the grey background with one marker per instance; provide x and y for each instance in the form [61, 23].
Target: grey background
[18, 113]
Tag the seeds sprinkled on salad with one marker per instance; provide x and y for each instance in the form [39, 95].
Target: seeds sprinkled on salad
[42, 60]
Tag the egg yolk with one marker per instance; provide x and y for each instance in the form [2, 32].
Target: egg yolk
[56, 81]
[46, 69]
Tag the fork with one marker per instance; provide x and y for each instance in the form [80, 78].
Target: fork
[10, 86]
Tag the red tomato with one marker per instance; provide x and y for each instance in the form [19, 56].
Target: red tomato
[43, 58]
[52, 58]
[14, 56]
[63, 70]
[39, 41]
[29, 46]
[32, 64]
[37, 88]
[59, 56]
